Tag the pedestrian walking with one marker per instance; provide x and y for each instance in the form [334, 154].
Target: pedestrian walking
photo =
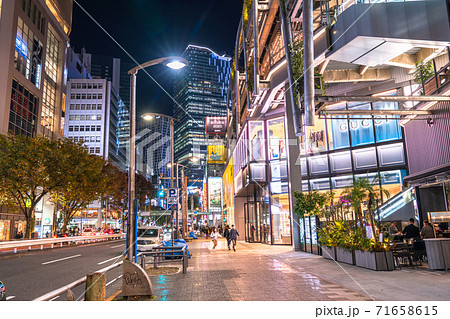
[214, 237]
[226, 234]
[233, 236]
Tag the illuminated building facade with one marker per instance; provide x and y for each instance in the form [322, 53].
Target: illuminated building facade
[200, 91]
[273, 157]
[33, 36]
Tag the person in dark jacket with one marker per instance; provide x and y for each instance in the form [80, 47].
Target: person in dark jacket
[411, 231]
[233, 236]
[427, 230]
[226, 234]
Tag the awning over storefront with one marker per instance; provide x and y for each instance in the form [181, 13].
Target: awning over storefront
[430, 176]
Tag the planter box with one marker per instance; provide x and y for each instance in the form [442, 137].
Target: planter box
[345, 256]
[328, 252]
[375, 261]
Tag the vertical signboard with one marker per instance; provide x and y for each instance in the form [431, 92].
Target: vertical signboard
[215, 194]
[216, 154]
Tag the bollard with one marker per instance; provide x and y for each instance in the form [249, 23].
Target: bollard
[70, 295]
[185, 256]
[95, 287]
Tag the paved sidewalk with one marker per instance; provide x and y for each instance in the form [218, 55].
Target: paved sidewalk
[262, 272]
[255, 272]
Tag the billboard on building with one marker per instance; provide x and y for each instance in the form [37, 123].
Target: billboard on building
[216, 125]
[216, 154]
[215, 194]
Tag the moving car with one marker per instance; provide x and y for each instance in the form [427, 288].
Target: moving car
[89, 232]
[148, 237]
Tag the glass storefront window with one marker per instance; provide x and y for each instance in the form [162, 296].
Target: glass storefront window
[316, 136]
[386, 130]
[277, 142]
[28, 54]
[5, 229]
[278, 170]
[337, 127]
[361, 127]
[256, 141]
[281, 221]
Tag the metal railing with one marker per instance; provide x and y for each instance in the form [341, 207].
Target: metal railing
[169, 254]
[68, 288]
[160, 255]
[56, 241]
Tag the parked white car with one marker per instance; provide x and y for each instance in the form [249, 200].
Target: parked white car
[149, 237]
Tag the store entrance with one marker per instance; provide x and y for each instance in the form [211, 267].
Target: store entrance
[252, 211]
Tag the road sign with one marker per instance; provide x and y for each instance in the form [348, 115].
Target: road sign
[119, 221]
[172, 198]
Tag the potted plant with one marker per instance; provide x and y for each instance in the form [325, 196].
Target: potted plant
[374, 255]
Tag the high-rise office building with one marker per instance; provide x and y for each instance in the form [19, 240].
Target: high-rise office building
[33, 37]
[153, 147]
[93, 116]
[114, 70]
[111, 69]
[200, 91]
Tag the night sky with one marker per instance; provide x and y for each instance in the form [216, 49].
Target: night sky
[149, 29]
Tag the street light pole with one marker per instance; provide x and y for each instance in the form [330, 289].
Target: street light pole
[173, 63]
[132, 171]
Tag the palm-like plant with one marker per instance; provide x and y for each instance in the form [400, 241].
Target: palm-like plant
[363, 190]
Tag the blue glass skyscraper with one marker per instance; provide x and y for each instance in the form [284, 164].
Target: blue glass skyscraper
[200, 91]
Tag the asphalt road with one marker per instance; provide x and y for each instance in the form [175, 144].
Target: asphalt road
[31, 275]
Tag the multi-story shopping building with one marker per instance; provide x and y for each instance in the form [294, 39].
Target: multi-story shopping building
[200, 90]
[366, 56]
[33, 37]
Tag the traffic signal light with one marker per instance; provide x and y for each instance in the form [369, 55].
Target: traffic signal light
[161, 193]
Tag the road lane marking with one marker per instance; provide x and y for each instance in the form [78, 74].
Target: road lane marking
[109, 283]
[54, 298]
[61, 259]
[121, 245]
[105, 261]
[10, 297]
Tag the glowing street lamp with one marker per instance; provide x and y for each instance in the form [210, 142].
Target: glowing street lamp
[173, 63]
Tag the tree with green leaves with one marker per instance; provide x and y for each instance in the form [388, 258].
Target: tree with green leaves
[311, 203]
[85, 179]
[30, 168]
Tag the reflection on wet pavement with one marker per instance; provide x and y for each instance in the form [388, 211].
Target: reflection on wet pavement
[253, 272]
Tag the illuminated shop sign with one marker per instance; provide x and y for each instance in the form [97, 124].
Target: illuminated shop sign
[216, 125]
[216, 154]
[215, 194]
[21, 46]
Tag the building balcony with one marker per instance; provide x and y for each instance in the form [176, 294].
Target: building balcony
[373, 34]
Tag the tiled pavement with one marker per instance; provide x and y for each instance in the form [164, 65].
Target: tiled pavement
[254, 272]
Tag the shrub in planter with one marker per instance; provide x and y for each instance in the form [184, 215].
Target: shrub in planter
[374, 255]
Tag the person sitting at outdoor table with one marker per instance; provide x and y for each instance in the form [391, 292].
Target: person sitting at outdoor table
[393, 230]
[427, 230]
[411, 231]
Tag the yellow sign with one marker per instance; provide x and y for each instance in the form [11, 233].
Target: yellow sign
[216, 154]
